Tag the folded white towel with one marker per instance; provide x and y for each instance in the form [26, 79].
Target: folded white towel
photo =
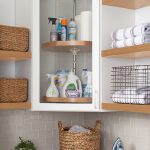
[118, 44]
[118, 35]
[133, 96]
[129, 42]
[128, 33]
[141, 29]
[138, 40]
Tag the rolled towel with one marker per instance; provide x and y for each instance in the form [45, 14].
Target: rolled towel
[118, 35]
[128, 33]
[118, 44]
[138, 40]
[129, 42]
[141, 29]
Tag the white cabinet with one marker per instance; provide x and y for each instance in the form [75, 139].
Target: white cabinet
[53, 58]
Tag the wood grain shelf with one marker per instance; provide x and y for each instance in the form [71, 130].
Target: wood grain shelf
[66, 43]
[130, 4]
[24, 105]
[126, 107]
[67, 100]
[13, 55]
[139, 51]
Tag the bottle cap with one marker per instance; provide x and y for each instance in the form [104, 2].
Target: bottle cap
[64, 22]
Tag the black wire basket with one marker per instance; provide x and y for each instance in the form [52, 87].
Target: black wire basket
[131, 84]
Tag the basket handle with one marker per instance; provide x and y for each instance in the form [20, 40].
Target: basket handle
[97, 125]
[60, 125]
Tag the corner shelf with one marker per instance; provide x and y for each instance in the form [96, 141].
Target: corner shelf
[14, 55]
[130, 4]
[139, 51]
[67, 43]
[126, 107]
[23, 105]
[67, 100]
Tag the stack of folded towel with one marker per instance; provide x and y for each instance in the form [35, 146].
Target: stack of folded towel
[132, 96]
[136, 35]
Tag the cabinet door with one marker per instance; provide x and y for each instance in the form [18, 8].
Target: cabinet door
[45, 60]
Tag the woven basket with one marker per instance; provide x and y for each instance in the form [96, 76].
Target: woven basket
[79, 141]
[14, 38]
[13, 90]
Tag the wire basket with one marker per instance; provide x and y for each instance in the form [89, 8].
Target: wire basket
[79, 140]
[131, 84]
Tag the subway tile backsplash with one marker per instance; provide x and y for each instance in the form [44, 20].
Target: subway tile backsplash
[41, 128]
[132, 128]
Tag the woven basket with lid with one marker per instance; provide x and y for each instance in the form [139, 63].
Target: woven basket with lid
[79, 141]
[14, 38]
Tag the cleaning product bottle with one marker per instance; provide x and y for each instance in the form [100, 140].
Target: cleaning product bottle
[72, 87]
[84, 80]
[72, 30]
[53, 32]
[52, 91]
[64, 29]
[59, 29]
[88, 88]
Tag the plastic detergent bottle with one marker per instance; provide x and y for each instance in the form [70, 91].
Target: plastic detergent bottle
[72, 87]
[52, 91]
[53, 32]
[84, 80]
[64, 29]
[88, 88]
[72, 30]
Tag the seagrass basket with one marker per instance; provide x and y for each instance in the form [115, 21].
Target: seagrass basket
[13, 90]
[79, 141]
[14, 38]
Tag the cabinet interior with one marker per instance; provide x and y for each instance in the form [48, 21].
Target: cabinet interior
[56, 58]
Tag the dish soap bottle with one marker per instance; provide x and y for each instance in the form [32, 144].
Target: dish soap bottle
[52, 91]
[72, 87]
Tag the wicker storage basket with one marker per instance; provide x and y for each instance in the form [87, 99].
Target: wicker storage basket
[13, 90]
[79, 141]
[14, 38]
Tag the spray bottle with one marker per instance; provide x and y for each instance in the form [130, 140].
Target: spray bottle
[53, 32]
[52, 91]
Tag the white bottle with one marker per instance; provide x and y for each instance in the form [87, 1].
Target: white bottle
[88, 88]
[72, 87]
[52, 91]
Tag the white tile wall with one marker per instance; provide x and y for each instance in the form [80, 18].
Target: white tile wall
[132, 128]
[40, 127]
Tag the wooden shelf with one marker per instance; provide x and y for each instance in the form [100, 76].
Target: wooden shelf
[126, 107]
[25, 105]
[67, 100]
[139, 51]
[66, 43]
[13, 55]
[130, 4]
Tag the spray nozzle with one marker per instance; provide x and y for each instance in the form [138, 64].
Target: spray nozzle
[53, 20]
